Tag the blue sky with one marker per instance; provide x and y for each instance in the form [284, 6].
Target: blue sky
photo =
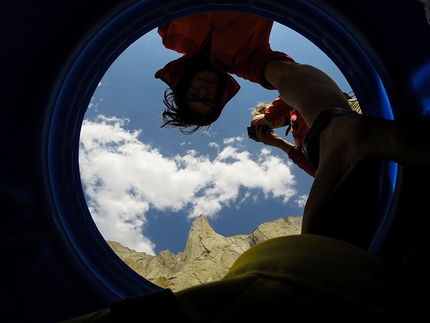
[145, 185]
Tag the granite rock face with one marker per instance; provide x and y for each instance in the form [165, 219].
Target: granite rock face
[207, 256]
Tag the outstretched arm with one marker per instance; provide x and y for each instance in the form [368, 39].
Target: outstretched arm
[305, 88]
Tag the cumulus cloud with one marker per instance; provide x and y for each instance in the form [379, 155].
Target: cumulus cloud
[301, 200]
[124, 178]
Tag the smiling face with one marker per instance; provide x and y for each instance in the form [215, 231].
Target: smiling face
[206, 83]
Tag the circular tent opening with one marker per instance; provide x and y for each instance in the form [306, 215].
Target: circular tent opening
[94, 258]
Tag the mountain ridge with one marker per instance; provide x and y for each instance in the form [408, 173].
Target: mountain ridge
[207, 255]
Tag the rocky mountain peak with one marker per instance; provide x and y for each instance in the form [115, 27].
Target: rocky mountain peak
[207, 256]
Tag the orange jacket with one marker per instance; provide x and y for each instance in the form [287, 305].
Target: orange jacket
[239, 45]
[278, 109]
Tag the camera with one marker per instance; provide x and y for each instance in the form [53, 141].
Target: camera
[252, 130]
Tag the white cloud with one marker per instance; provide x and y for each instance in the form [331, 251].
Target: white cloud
[123, 178]
[232, 140]
[301, 200]
[214, 145]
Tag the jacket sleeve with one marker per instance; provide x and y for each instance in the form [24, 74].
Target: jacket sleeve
[187, 34]
[240, 46]
[277, 109]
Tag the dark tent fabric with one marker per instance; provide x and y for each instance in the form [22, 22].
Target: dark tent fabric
[56, 265]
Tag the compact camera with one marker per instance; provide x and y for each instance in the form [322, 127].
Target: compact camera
[252, 131]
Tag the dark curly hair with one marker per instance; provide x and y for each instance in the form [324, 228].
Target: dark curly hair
[177, 112]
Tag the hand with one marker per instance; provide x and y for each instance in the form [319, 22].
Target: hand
[265, 135]
[268, 137]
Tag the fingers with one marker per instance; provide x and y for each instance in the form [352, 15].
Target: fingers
[263, 134]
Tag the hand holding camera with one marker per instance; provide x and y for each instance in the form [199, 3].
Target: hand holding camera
[252, 131]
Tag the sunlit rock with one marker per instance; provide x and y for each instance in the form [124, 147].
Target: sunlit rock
[207, 256]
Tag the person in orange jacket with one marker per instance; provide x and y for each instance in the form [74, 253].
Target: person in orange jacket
[202, 77]
[278, 114]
